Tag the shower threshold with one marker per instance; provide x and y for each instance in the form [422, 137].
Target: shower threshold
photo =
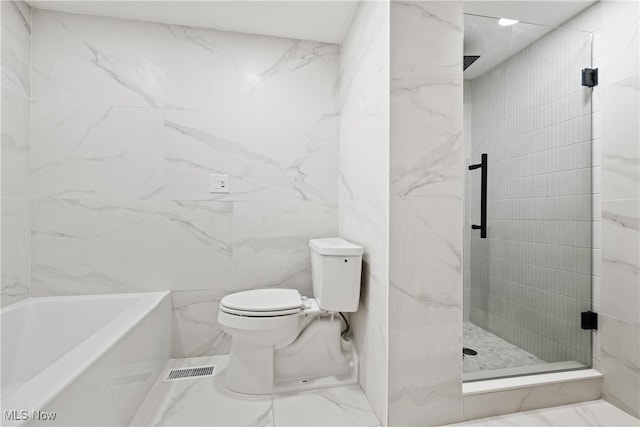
[522, 370]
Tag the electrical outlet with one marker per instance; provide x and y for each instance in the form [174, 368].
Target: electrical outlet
[218, 183]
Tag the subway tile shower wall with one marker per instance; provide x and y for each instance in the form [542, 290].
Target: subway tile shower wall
[532, 275]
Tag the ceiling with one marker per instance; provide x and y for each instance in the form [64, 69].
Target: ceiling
[324, 21]
[327, 20]
[543, 12]
[483, 36]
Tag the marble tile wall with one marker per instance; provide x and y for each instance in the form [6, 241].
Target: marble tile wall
[364, 184]
[16, 95]
[130, 118]
[619, 291]
[531, 278]
[425, 213]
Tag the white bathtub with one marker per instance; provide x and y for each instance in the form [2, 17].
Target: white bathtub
[89, 359]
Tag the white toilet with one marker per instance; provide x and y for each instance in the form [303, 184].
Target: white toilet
[282, 341]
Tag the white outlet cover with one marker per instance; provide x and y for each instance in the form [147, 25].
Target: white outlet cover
[218, 183]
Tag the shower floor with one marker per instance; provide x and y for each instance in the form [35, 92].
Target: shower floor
[493, 352]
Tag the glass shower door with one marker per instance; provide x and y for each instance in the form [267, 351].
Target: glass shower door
[528, 280]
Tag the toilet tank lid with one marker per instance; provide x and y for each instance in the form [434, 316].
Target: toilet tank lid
[335, 246]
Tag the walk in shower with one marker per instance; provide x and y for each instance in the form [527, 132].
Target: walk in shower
[528, 198]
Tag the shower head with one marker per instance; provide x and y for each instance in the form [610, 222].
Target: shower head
[468, 60]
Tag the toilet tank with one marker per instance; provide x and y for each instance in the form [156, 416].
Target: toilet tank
[336, 267]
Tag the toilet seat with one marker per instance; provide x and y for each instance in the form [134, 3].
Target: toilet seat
[263, 303]
[261, 313]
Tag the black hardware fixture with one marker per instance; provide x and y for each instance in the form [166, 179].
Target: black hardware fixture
[589, 320]
[483, 197]
[468, 60]
[468, 351]
[590, 77]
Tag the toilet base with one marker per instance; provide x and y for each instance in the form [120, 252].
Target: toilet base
[318, 358]
[251, 368]
[315, 383]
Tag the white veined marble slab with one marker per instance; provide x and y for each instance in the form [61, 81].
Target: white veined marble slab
[206, 402]
[588, 414]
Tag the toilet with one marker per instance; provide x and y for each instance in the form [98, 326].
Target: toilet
[283, 341]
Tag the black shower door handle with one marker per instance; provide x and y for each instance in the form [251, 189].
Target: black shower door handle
[483, 197]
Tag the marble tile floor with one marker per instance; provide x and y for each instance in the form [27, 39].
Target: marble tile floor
[493, 351]
[205, 402]
[587, 414]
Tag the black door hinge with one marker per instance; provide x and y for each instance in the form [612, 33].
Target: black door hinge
[590, 77]
[589, 320]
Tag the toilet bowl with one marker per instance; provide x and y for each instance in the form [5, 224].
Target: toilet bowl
[279, 328]
[260, 322]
